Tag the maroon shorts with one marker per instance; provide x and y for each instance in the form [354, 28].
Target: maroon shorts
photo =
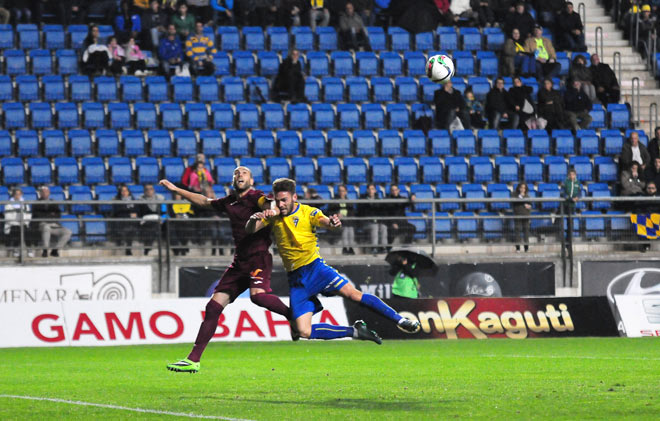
[251, 272]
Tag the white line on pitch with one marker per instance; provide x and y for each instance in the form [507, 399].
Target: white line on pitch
[571, 357]
[122, 408]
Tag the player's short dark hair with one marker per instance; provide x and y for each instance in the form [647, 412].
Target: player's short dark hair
[284, 184]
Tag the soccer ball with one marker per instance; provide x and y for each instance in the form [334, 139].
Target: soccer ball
[440, 68]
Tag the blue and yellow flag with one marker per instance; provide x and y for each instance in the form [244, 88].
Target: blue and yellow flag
[648, 225]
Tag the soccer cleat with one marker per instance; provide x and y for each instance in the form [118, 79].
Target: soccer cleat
[184, 366]
[364, 333]
[409, 326]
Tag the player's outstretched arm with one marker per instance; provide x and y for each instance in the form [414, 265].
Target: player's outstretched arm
[256, 221]
[194, 198]
[331, 222]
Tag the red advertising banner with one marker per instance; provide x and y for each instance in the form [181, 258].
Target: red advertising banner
[481, 318]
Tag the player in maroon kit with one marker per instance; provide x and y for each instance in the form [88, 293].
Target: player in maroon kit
[252, 263]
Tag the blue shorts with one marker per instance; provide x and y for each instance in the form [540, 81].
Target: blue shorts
[308, 281]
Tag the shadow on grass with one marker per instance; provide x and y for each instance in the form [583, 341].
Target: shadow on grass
[347, 403]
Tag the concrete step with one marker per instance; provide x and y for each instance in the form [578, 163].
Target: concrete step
[607, 27]
[591, 18]
[609, 51]
[607, 42]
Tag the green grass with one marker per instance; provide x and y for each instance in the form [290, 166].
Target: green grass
[411, 380]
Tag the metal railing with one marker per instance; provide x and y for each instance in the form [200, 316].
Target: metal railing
[653, 117]
[582, 11]
[635, 101]
[599, 41]
[616, 65]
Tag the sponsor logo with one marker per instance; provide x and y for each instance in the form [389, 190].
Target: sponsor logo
[295, 221]
[641, 281]
[254, 275]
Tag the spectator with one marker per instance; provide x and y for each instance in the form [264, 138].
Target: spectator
[515, 59]
[213, 229]
[520, 210]
[136, 61]
[154, 24]
[652, 172]
[499, 106]
[521, 100]
[201, 10]
[224, 9]
[96, 57]
[178, 227]
[266, 12]
[502, 8]
[449, 105]
[654, 145]
[200, 50]
[631, 183]
[318, 14]
[376, 227]
[647, 25]
[312, 194]
[117, 55]
[289, 82]
[582, 74]
[399, 227]
[185, 179]
[462, 12]
[4, 13]
[521, 19]
[184, 22]
[351, 30]
[12, 228]
[475, 108]
[291, 12]
[365, 8]
[124, 230]
[200, 178]
[128, 23]
[170, 52]
[547, 11]
[169, 8]
[140, 6]
[485, 12]
[52, 227]
[651, 191]
[544, 53]
[577, 105]
[634, 150]
[20, 11]
[569, 26]
[571, 193]
[446, 17]
[406, 284]
[344, 211]
[551, 106]
[604, 80]
[150, 214]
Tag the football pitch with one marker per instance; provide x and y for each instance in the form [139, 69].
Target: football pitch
[590, 378]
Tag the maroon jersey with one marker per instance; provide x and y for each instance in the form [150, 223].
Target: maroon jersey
[239, 210]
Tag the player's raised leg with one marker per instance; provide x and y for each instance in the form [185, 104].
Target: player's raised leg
[326, 331]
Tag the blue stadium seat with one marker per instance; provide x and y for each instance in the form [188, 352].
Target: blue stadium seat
[391, 63]
[171, 116]
[583, 167]
[299, 116]
[27, 143]
[381, 170]
[498, 190]
[279, 38]
[77, 34]
[263, 142]
[373, 115]
[244, 63]
[415, 63]
[422, 191]
[229, 38]
[318, 63]
[489, 141]
[224, 169]
[342, 63]
[6, 36]
[339, 142]
[473, 191]
[157, 88]
[234, 89]
[329, 170]
[348, 116]
[197, 116]
[254, 38]
[599, 190]
[147, 170]
[207, 87]
[134, 142]
[324, 116]
[105, 32]
[355, 170]
[589, 142]
[598, 117]
[440, 142]
[612, 141]
[480, 87]
[314, 141]
[15, 117]
[406, 169]
[13, 171]
[15, 62]
[382, 88]
[564, 142]
[425, 41]
[432, 170]
[173, 168]
[258, 89]
[81, 89]
[248, 116]
[377, 39]
[457, 169]
[333, 89]
[415, 142]
[470, 38]
[238, 143]
[222, 64]
[367, 63]
[466, 226]
[619, 116]
[365, 143]
[303, 169]
[120, 115]
[80, 193]
[406, 88]
[619, 224]
[106, 88]
[161, 143]
[565, 63]
[273, 116]
[53, 88]
[54, 143]
[67, 62]
[28, 36]
[488, 63]
[95, 229]
[492, 227]
[28, 88]
[507, 168]
[212, 144]
[120, 170]
[482, 169]
[186, 142]
[466, 144]
[146, 116]
[539, 141]
[269, 63]
[6, 88]
[81, 142]
[327, 37]
[222, 116]
[312, 89]
[277, 168]
[54, 37]
[606, 169]
[549, 190]
[303, 38]
[67, 170]
[289, 143]
[182, 88]
[532, 169]
[40, 171]
[398, 116]
[594, 224]
[6, 147]
[42, 62]
[447, 38]
[358, 89]
[418, 220]
[42, 116]
[464, 63]
[399, 38]
[556, 168]
[390, 142]
[495, 38]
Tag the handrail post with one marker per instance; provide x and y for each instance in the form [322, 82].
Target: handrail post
[617, 69]
[582, 11]
[599, 40]
[636, 40]
[21, 218]
[635, 101]
[653, 116]
[160, 252]
[433, 229]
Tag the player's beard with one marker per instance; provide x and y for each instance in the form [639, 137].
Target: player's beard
[242, 190]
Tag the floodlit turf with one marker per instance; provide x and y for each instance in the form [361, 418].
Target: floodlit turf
[423, 379]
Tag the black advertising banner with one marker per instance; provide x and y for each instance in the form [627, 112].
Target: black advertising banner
[457, 279]
[622, 277]
[481, 318]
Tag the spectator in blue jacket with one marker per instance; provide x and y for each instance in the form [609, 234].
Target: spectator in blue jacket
[224, 12]
[170, 52]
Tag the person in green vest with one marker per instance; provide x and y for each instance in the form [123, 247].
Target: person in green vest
[544, 52]
[405, 280]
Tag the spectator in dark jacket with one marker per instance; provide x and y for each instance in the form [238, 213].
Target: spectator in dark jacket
[521, 209]
[351, 30]
[154, 24]
[289, 82]
[571, 30]
[399, 227]
[654, 145]
[521, 100]
[128, 23]
[521, 19]
[498, 106]
[604, 80]
[631, 182]
[449, 104]
[634, 150]
[44, 210]
[551, 106]
[485, 11]
[577, 105]
[515, 60]
[124, 230]
[652, 172]
[376, 226]
[502, 8]
[580, 72]
[547, 11]
[170, 52]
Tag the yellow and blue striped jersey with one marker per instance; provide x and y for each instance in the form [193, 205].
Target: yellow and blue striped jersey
[295, 236]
